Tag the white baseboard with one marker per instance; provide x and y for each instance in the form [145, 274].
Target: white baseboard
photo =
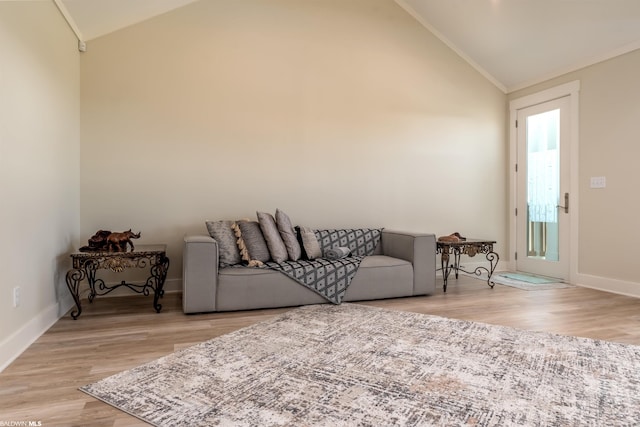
[173, 285]
[19, 341]
[12, 347]
[622, 287]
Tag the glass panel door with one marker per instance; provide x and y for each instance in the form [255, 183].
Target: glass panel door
[543, 184]
[542, 222]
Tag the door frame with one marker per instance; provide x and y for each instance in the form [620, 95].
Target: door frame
[572, 90]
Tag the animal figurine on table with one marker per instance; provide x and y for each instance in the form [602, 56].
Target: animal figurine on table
[452, 238]
[97, 242]
[117, 242]
[106, 241]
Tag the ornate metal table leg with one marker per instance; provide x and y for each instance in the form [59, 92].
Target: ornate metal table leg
[156, 280]
[456, 262]
[493, 259]
[90, 268]
[444, 262]
[74, 277]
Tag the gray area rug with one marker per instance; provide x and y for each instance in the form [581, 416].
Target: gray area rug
[349, 365]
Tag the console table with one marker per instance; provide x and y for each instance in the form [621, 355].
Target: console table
[469, 247]
[86, 264]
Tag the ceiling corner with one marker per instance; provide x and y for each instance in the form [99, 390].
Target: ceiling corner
[411, 11]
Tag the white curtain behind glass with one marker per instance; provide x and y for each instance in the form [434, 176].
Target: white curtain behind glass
[543, 166]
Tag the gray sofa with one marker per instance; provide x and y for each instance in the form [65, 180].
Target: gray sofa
[403, 265]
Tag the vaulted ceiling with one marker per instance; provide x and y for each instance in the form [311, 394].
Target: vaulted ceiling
[514, 43]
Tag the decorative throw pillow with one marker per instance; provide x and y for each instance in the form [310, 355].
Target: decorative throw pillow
[253, 248]
[310, 246]
[225, 237]
[276, 246]
[288, 235]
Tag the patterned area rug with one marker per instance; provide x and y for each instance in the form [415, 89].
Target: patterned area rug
[350, 365]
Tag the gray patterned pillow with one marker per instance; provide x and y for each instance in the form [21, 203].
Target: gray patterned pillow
[227, 247]
[288, 235]
[277, 249]
[252, 239]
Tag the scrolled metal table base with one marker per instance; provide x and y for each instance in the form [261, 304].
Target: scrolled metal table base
[469, 248]
[86, 265]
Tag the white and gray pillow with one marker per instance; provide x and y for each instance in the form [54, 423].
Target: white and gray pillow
[288, 235]
[276, 246]
[251, 243]
[225, 237]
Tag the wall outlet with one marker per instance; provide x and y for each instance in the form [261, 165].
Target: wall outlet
[16, 296]
[598, 182]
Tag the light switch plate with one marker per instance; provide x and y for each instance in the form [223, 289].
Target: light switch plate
[598, 182]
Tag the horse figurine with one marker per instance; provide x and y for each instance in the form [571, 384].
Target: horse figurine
[117, 242]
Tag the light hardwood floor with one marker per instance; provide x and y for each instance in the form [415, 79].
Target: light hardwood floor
[114, 334]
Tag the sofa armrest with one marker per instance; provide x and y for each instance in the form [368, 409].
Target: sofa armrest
[420, 250]
[199, 274]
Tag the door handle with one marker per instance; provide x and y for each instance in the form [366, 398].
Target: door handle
[566, 203]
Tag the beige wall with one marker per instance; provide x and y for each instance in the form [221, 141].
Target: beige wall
[39, 167]
[342, 113]
[609, 128]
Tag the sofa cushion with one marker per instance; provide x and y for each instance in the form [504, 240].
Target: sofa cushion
[241, 288]
[378, 277]
[288, 235]
[223, 234]
[251, 244]
[381, 276]
[276, 246]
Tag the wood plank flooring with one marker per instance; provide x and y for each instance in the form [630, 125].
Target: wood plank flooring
[114, 334]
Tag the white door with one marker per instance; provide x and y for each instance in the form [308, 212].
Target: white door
[543, 199]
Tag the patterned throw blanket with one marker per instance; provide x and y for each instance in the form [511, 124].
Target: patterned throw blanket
[331, 278]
